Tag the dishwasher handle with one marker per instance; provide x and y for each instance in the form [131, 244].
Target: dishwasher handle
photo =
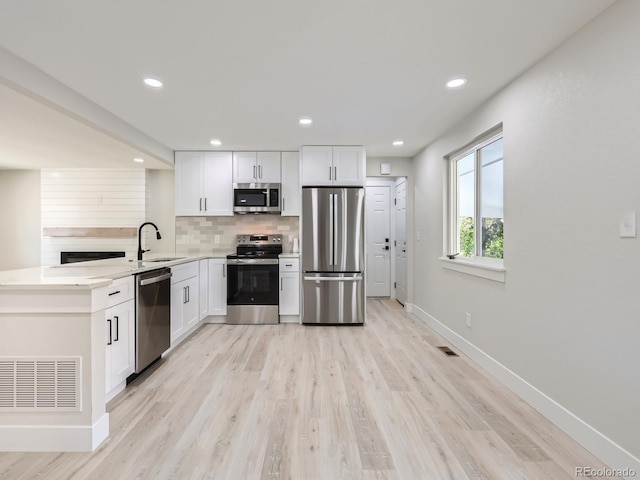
[159, 278]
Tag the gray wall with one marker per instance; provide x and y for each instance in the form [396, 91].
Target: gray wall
[19, 219]
[567, 319]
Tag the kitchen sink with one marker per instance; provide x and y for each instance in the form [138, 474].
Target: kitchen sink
[166, 259]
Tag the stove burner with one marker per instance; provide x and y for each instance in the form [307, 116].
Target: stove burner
[257, 246]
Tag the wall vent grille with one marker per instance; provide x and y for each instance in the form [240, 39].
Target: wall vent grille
[39, 384]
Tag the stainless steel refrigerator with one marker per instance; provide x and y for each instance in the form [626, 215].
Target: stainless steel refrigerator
[332, 250]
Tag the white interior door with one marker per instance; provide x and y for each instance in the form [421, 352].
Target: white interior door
[400, 247]
[378, 236]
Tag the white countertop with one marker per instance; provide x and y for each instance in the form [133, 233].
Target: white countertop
[88, 275]
[290, 255]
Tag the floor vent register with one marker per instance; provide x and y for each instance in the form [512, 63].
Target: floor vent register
[447, 351]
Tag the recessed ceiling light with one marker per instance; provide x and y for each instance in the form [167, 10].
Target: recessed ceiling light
[152, 81]
[138, 160]
[215, 142]
[305, 121]
[456, 82]
[398, 143]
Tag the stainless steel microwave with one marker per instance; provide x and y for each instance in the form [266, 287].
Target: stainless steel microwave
[256, 198]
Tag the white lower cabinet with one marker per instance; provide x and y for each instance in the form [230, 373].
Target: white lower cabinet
[217, 288]
[185, 307]
[289, 289]
[120, 333]
[204, 287]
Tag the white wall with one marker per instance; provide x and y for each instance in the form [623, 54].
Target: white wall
[567, 320]
[161, 210]
[20, 219]
[400, 166]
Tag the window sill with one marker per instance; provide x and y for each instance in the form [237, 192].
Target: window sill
[476, 267]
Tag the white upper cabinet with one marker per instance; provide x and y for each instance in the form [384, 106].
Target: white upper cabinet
[204, 184]
[188, 183]
[290, 184]
[269, 167]
[349, 166]
[340, 166]
[316, 166]
[256, 167]
[218, 184]
[245, 169]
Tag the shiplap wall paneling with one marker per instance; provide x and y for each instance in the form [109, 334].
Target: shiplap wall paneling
[91, 198]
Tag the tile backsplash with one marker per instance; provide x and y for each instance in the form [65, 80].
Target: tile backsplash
[196, 235]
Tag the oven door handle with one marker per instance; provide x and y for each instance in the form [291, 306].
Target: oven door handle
[253, 261]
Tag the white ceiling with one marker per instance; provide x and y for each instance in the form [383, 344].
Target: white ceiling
[367, 72]
[36, 135]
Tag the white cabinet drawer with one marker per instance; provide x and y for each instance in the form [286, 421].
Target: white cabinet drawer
[121, 290]
[289, 264]
[184, 271]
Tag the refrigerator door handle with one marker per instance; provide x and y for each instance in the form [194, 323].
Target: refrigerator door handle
[333, 279]
[331, 228]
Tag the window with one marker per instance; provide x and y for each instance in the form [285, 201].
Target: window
[477, 204]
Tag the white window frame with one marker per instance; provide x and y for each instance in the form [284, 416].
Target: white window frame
[485, 267]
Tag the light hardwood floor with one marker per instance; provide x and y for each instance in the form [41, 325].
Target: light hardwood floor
[306, 403]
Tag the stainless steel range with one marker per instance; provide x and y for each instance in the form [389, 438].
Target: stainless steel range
[252, 280]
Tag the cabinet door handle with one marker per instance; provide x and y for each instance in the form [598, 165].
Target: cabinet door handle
[188, 295]
[117, 328]
[200, 203]
[205, 204]
[329, 173]
[335, 173]
[260, 171]
[224, 270]
[110, 339]
[283, 209]
[281, 279]
[184, 295]
[114, 293]
[254, 172]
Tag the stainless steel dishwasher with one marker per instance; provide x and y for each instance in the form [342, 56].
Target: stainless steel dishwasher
[153, 315]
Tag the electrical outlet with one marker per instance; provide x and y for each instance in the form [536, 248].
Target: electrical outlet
[468, 320]
[216, 239]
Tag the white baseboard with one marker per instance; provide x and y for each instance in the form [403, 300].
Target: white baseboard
[54, 438]
[591, 439]
[215, 319]
[289, 318]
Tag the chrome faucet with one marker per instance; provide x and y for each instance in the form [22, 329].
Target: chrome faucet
[140, 250]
